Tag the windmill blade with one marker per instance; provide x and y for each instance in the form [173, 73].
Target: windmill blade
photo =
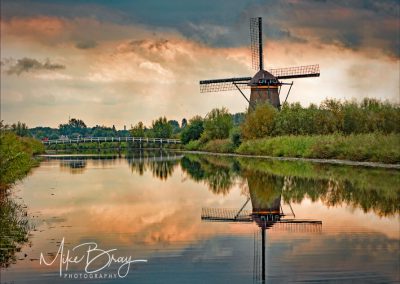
[296, 72]
[228, 84]
[256, 43]
[225, 215]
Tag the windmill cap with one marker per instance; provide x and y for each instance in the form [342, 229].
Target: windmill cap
[262, 74]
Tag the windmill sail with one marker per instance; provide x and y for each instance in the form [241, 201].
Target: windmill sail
[256, 43]
[223, 84]
[296, 72]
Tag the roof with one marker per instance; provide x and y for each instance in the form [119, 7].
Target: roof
[262, 74]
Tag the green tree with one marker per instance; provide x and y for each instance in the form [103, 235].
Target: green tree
[260, 122]
[74, 127]
[20, 129]
[217, 124]
[175, 126]
[161, 128]
[138, 130]
[184, 123]
[192, 131]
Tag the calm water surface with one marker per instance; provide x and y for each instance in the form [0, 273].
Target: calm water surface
[203, 219]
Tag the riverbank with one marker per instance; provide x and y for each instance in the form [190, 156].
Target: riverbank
[18, 157]
[373, 149]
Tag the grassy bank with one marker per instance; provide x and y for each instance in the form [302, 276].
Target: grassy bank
[17, 157]
[371, 147]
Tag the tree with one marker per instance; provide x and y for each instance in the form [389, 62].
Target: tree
[20, 129]
[260, 122]
[192, 131]
[138, 130]
[217, 124]
[161, 128]
[175, 126]
[73, 127]
[184, 123]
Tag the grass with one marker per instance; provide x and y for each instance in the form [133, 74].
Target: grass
[17, 157]
[216, 145]
[372, 147]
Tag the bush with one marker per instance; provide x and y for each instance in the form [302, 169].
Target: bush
[192, 131]
[217, 124]
[372, 147]
[161, 128]
[16, 157]
[260, 122]
[236, 136]
[193, 145]
[219, 146]
[334, 116]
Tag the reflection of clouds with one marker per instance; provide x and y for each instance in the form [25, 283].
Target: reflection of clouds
[146, 216]
[346, 257]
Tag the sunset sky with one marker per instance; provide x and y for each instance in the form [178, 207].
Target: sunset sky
[119, 62]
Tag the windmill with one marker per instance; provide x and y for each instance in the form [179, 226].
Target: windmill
[265, 85]
[267, 213]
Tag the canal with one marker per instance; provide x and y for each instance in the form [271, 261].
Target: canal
[185, 218]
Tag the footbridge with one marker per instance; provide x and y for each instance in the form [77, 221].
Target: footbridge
[112, 139]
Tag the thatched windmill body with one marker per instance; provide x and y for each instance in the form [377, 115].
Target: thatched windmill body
[265, 85]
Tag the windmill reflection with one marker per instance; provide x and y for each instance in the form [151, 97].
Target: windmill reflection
[267, 212]
[363, 188]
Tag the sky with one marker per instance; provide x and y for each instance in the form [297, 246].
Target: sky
[121, 62]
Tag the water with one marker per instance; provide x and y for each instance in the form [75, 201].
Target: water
[149, 205]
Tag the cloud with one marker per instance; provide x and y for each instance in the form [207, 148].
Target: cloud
[32, 65]
[86, 44]
[361, 25]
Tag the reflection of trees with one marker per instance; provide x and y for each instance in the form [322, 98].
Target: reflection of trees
[333, 193]
[162, 169]
[264, 189]
[160, 163]
[219, 176]
[367, 189]
[77, 164]
[14, 229]
[74, 166]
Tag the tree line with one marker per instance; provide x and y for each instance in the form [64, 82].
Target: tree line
[331, 116]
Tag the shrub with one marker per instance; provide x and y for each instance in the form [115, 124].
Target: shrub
[219, 146]
[161, 128]
[193, 145]
[16, 157]
[260, 122]
[217, 125]
[192, 131]
[236, 136]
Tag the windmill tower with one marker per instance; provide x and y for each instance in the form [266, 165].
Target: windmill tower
[265, 85]
[267, 213]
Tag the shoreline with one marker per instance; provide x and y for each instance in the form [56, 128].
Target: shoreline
[312, 160]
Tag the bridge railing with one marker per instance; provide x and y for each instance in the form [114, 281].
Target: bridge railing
[112, 139]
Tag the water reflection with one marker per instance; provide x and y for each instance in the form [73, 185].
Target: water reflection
[14, 228]
[369, 189]
[149, 205]
[265, 193]
[160, 163]
[217, 173]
